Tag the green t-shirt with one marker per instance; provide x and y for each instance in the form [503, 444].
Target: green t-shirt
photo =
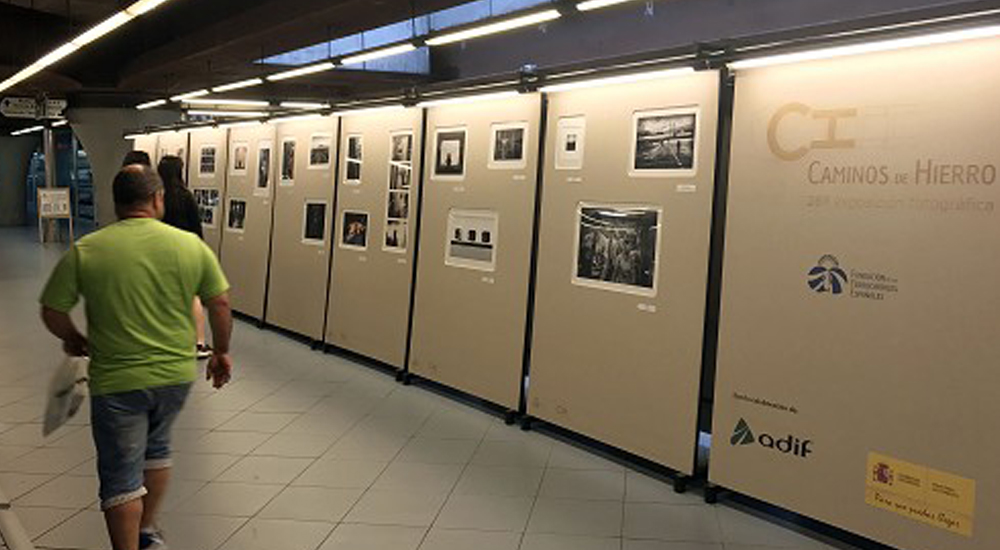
[138, 279]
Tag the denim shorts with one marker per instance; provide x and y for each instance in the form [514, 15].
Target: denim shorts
[132, 435]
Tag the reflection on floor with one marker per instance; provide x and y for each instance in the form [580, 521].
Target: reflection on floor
[307, 451]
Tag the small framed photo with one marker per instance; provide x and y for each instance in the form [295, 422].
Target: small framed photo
[571, 142]
[449, 154]
[665, 143]
[354, 159]
[355, 230]
[207, 161]
[288, 162]
[240, 158]
[264, 151]
[617, 247]
[508, 146]
[314, 223]
[320, 151]
[237, 217]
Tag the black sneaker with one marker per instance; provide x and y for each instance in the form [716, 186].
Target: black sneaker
[152, 541]
[204, 351]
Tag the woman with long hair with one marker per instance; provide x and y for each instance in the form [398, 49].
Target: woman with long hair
[181, 211]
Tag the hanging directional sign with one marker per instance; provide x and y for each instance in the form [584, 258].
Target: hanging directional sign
[19, 107]
[54, 108]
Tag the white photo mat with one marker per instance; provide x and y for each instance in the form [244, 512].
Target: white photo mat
[518, 130]
[456, 147]
[612, 286]
[688, 161]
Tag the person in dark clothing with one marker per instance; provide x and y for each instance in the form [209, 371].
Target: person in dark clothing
[137, 157]
[181, 211]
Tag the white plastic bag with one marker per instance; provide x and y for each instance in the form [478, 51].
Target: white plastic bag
[67, 391]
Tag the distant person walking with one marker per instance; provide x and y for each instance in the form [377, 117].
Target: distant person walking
[181, 211]
[137, 157]
[138, 278]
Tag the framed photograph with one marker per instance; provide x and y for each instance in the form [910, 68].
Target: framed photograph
[508, 143]
[263, 186]
[208, 205]
[616, 248]
[206, 161]
[449, 154]
[399, 205]
[354, 160]
[237, 218]
[400, 177]
[401, 146]
[314, 223]
[288, 161]
[472, 239]
[320, 151]
[355, 230]
[241, 158]
[396, 236]
[665, 143]
[571, 141]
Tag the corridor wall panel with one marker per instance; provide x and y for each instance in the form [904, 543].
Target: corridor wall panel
[475, 246]
[375, 225]
[303, 210]
[623, 264]
[250, 176]
[857, 372]
[207, 167]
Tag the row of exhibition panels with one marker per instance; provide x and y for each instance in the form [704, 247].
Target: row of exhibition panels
[856, 359]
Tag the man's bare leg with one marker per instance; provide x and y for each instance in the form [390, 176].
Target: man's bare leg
[156, 486]
[123, 524]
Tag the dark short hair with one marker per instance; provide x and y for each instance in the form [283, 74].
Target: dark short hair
[137, 157]
[136, 185]
[171, 170]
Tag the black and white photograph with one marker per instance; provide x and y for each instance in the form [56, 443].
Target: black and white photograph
[354, 160]
[288, 161]
[399, 204]
[241, 156]
[617, 247]
[402, 147]
[314, 224]
[355, 230]
[665, 142]
[507, 146]
[400, 177]
[319, 151]
[571, 139]
[206, 164]
[208, 204]
[449, 156]
[472, 239]
[263, 168]
[395, 236]
[237, 215]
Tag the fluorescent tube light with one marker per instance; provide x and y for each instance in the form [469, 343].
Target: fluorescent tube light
[311, 69]
[493, 28]
[102, 28]
[378, 54]
[595, 4]
[59, 123]
[241, 114]
[57, 54]
[189, 95]
[870, 47]
[134, 136]
[468, 99]
[295, 118]
[151, 104]
[303, 105]
[235, 102]
[143, 6]
[621, 79]
[27, 130]
[238, 85]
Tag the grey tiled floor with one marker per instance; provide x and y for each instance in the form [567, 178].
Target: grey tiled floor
[306, 451]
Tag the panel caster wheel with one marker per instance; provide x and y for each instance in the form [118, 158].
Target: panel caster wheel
[680, 484]
[399, 376]
[407, 379]
[510, 418]
[711, 494]
[526, 422]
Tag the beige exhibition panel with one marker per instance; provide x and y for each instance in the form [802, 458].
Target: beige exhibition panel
[147, 144]
[172, 143]
[300, 262]
[207, 180]
[370, 288]
[247, 229]
[616, 353]
[858, 361]
[469, 321]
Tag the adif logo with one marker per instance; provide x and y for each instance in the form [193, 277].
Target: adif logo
[790, 445]
[827, 276]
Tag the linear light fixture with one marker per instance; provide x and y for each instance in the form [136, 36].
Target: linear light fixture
[151, 104]
[378, 54]
[103, 28]
[303, 105]
[189, 95]
[870, 47]
[143, 6]
[596, 4]
[223, 114]
[134, 136]
[493, 28]
[468, 99]
[621, 79]
[59, 123]
[250, 82]
[233, 102]
[302, 71]
[27, 130]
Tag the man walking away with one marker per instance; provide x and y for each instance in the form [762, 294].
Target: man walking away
[138, 278]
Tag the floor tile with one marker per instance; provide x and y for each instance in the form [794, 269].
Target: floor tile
[567, 456]
[395, 508]
[229, 499]
[201, 467]
[499, 481]
[671, 522]
[438, 451]
[576, 517]
[15, 485]
[257, 422]
[266, 469]
[583, 484]
[234, 443]
[522, 454]
[38, 521]
[540, 541]
[745, 528]
[270, 534]
[449, 539]
[464, 425]
[312, 504]
[178, 491]
[342, 474]
[84, 531]
[642, 488]
[485, 513]
[295, 445]
[629, 544]
[46, 460]
[416, 477]
[63, 492]
[10, 453]
[374, 537]
[202, 419]
[358, 446]
[198, 532]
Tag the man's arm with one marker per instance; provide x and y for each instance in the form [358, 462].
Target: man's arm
[61, 325]
[220, 316]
